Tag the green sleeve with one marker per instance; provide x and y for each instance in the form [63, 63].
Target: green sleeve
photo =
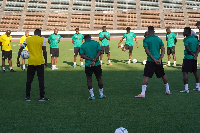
[174, 35]
[98, 46]
[124, 36]
[59, 37]
[108, 34]
[82, 37]
[100, 35]
[73, 37]
[134, 35]
[82, 50]
[185, 42]
[161, 43]
[49, 38]
[145, 43]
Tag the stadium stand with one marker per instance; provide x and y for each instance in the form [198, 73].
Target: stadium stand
[21, 15]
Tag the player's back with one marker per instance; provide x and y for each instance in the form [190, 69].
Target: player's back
[34, 44]
[153, 43]
[192, 43]
[90, 48]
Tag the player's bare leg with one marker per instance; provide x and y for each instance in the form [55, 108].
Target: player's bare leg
[55, 62]
[101, 58]
[197, 81]
[168, 64]
[75, 61]
[109, 62]
[144, 86]
[89, 84]
[100, 84]
[165, 81]
[174, 57]
[10, 65]
[3, 65]
[185, 80]
[130, 56]
[23, 65]
[81, 60]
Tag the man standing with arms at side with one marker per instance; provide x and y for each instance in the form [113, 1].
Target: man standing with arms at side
[171, 42]
[90, 51]
[36, 44]
[22, 39]
[53, 40]
[104, 37]
[152, 45]
[129, 42]
[5, 40]
[190, 59]
[77, 40]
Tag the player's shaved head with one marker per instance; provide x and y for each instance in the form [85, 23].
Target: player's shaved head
[104, 28]
[8, 32]
[55, 31]
[128, 29]
[187, 31]
[26, 33]
[151, 30]
[77, 30]
[37, 32]
[168, 30]
[87, 37]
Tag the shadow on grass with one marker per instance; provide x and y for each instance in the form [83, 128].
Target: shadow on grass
[69, 63]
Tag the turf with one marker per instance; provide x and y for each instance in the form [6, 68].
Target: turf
[69, 110]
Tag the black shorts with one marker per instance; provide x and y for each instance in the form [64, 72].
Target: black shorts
[189, 65]
[105, 49]
[151, 68]
[76, 51]
[54, 52]
[126, 46]
[7, 54]
[171, 50]
[95, 69]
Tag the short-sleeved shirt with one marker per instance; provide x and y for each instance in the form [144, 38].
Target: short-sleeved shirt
[129, 38]
[34, 44]
[78, 38]
[22, 39]
[6, 42]
[90, 49]
[153, 43]
[170, 39]
[192, 43]
[54, 40]
[105, 41]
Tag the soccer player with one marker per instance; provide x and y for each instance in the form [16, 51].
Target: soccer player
[104, 37]
[171, 42]
[77, 40]
[53, 40]
[36, 44]
[90, 51]
[152, 45]
[190, 59]
[129, 42]
[22, 39]
[5, 40]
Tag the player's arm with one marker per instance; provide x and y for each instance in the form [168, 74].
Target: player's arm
[73, 41]
[44, 52]
[149, 54]
[197, 52]
[49, 41]
[189, 51]
[19, 53]
[175, 41]
[136, 42]
[162, 52]
[120, 42]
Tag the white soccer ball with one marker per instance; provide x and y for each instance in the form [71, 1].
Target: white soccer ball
[144, 62]
[134, 60]
[25, 54]
[121, 130]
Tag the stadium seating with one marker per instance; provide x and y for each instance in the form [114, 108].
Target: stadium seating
[21, 15]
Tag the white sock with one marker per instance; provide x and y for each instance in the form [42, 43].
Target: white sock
[53, 66]
[3, 68]
[81, 63]
[10, 68]
[74, 63]
[167, 87]
[91, 92]
[197, 85]
[101, 91]
[109, 61]
[143, 89]
[101, 61]
[174, 62]
[129, 60]
[168, 62]
[24, 66]
[186, 86]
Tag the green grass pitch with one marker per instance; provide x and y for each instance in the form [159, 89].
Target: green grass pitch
[69, 110]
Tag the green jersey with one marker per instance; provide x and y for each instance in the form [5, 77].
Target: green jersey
[105, 41]
[90, 49]
[170, 39]
[192, 43]
[129, 38]
[54, 40]
[153, 43]
[78, 38]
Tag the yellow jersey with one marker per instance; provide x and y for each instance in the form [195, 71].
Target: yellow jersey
[6, 42]
[22, 39]
[34, 44]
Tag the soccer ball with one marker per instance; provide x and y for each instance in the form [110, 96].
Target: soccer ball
[134, 60]
[144, 62]
[121, 130]
[25, 54]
